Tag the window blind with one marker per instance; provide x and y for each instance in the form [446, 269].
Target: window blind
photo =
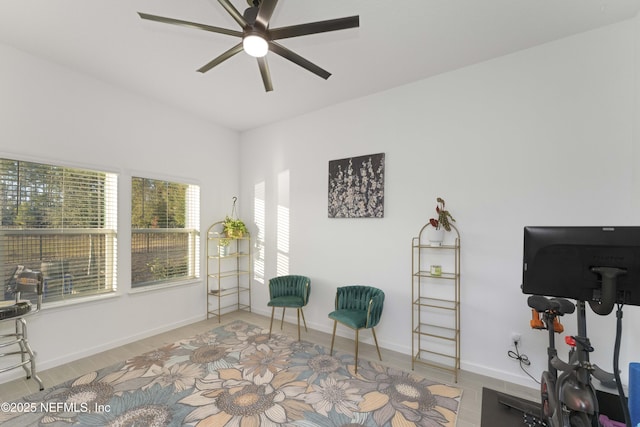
[61, 221]
[164, 231]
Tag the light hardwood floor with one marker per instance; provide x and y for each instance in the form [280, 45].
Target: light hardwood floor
[470, 383]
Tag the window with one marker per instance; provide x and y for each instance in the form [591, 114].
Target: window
[61, 221]
[164, 232]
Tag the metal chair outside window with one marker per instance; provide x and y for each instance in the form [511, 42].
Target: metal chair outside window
[290, 291]
[358, 307]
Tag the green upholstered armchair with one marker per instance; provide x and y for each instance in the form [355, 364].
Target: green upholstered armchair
[289, 291]
[358, 307]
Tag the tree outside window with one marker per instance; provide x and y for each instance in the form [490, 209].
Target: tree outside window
[61, 221]
[164, 231]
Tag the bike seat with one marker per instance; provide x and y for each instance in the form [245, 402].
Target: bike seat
[557, 306]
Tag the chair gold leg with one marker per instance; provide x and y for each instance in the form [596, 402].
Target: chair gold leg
[333, 337]
[303, 319]
[273, 309]
[282, 321]
[357, 339]
[298, 311]
[376, 341]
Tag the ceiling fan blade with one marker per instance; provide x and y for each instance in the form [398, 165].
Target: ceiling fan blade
[315, 27]
[228, 54]
[297, 59]
[264, 72]
[190, 24]
[265, 12]
[234, 13]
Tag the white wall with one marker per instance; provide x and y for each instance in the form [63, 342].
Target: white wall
[52, 114]
[546, 136]
[541, 137]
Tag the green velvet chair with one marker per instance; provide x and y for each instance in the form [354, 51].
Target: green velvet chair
[358, 307]
[289, 292]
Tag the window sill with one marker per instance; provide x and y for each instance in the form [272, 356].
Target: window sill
[80, 300]
[151, 288]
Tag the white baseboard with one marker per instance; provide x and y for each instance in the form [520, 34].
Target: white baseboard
[42, 365]
[510, 377]
[327, 327]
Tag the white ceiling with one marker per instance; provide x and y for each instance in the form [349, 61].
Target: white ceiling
[398, 41]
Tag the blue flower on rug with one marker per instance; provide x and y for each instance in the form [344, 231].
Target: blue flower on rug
[315, 363]
[300, 346]
[333, 395]
[155, 406]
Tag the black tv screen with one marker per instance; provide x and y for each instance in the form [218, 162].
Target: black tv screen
[574, 262]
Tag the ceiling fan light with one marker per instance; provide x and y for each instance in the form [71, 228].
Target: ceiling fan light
[255, 45]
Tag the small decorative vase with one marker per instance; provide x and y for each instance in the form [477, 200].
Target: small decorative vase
[436, 270]
[435, 236]
[223, 250]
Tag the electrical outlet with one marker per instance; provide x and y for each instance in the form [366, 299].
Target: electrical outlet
[515, 338]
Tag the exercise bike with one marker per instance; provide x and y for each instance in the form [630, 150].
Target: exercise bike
[568, 397]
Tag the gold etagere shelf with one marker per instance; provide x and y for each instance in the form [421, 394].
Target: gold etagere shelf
[228, 272]
[435, 301]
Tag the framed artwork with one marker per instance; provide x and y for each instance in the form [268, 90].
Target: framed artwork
[356, 187]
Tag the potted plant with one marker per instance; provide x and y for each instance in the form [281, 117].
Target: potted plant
[223, 246]
[234, 228]
[440, 224]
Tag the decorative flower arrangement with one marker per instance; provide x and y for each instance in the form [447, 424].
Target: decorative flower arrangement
[444, 219]
[234, 228]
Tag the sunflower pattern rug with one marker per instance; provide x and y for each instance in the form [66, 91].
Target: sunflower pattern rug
[235, 376]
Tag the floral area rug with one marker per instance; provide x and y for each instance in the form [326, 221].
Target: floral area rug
[235, 376]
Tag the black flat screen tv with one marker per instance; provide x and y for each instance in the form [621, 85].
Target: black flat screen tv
[599, 265]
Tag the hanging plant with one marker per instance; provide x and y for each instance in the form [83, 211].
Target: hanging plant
[233, 227]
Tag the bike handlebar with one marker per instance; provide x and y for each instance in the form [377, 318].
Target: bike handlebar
[561, 365]
[606, 378]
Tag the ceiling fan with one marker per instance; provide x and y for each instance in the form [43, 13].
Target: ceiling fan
[258, 38]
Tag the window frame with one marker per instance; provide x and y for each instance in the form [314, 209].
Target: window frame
[191, 229]
[105, 282]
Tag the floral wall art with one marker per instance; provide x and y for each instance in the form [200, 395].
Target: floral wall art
[356, 187]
